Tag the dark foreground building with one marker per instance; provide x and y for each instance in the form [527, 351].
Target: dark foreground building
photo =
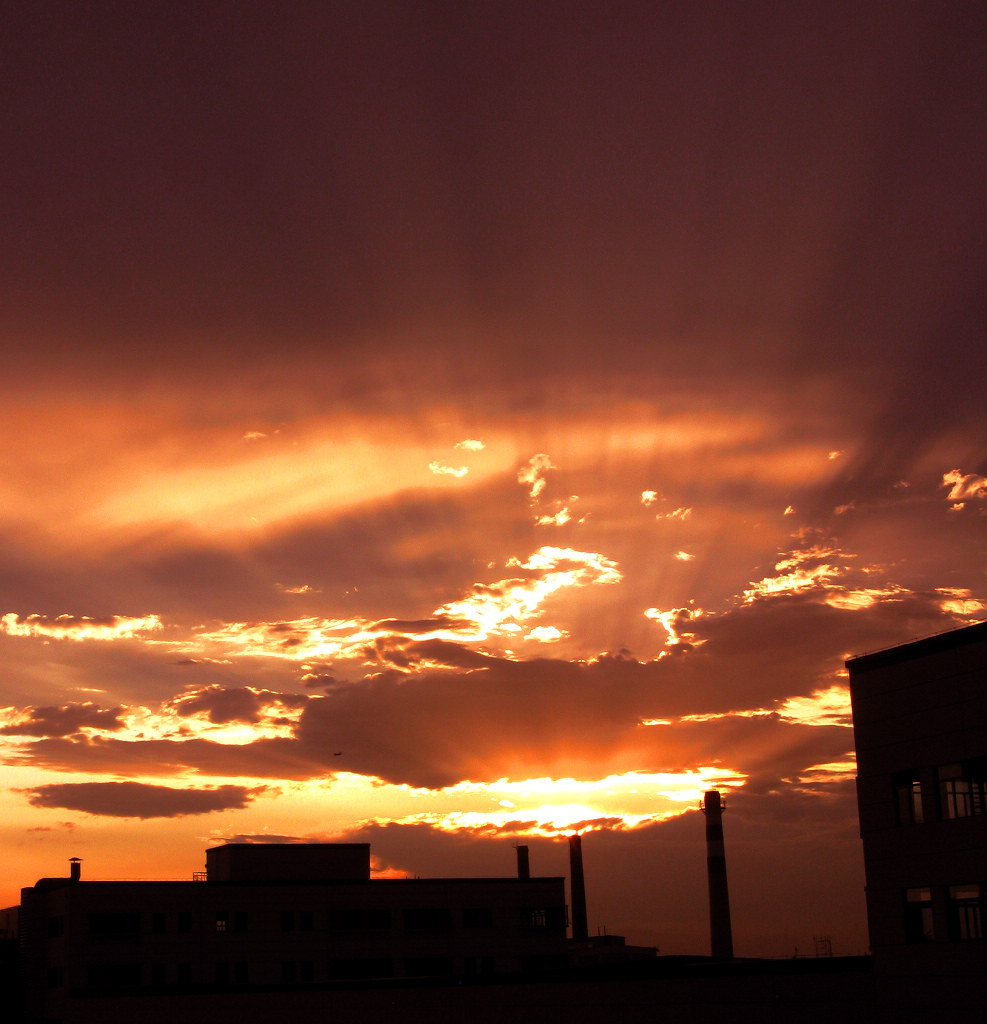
[274, 920]
[920, 725]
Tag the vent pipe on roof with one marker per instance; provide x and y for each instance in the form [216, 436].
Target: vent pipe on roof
[523, 870]
[578, 887]
[720, 933]
[75, 869]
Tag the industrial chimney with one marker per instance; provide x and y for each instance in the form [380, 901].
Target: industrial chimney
[523, 871]
[578, 887]
[721, 936]
[75, 869]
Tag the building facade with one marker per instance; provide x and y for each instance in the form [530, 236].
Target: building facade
[275, 919]
[920, 727]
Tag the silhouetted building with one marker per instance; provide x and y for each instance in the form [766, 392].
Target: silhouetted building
[275, 918]
[920, 724]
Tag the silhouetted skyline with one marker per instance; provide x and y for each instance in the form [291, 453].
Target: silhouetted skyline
[444, 424]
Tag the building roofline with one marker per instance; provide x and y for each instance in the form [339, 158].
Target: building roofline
[976, 632]
[55, 883]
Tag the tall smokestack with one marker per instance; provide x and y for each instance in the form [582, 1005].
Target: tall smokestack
[721, 936]
[523, 871]
[75, 869]
[578, 887]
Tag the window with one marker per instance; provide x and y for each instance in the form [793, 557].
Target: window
[477, 917]
[428, 917]
[222, 921]
[159, 975]
[56, 926]
[967, 912]
[288, 973]
[305, 920]
[222, 974]
[918, 915]
[908, 798]
[158, 921]
[115, 924]
[240, 921]
[287, 920]
[184, 921]
[348, 919]
[361, 967]
[114, 977]
[240, 972]
[428, 966]
[963, 788]
[543, 918]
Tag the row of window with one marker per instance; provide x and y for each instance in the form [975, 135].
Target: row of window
[128, 923]
[961, 792]
[122, 976]
[966, 914]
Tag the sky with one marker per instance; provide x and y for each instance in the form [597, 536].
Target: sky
[452, 425]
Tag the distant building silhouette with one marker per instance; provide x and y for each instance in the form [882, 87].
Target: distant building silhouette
[275, 917]
[920, 725]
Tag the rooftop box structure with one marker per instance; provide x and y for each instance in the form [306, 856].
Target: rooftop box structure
[288, 862]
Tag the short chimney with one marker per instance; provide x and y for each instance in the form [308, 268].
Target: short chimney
[578, 887]
[75, 869]
[523, 870]
[720, 933]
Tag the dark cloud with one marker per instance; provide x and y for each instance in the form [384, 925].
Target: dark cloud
[139, 800]
[66, 720]
[223, 704]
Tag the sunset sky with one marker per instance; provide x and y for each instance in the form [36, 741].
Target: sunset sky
[451, 424]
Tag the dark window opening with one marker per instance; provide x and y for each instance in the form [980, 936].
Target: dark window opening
[345, 919]
[357, 968]
[240, 921]
[184, 921]
[305, 920]
[428, 917]
[428, 966]
[114, 977]
[287, 920]
[115, 923]
[908, 798]
[543, 918]
[918, 915]
[158, 921]
[477, 917]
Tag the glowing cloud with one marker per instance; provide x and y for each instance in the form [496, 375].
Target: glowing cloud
[78, 627]
[470, 445]
[440, 470]
[964, 486]
[498, 607]
[649, 497]
[534, 474]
